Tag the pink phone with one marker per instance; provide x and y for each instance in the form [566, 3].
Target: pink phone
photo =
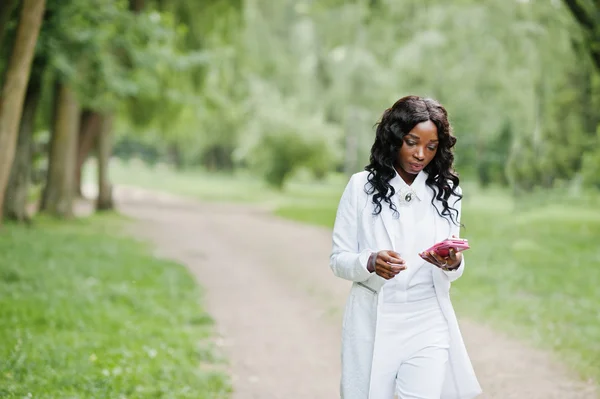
[442, 248]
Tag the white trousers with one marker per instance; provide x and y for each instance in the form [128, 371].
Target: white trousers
[411, 351]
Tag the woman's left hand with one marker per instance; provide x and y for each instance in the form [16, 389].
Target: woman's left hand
[452, 261]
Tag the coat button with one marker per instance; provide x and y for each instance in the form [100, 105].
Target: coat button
[408, 197]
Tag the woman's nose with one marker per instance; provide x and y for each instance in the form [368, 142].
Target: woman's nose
[419, 154]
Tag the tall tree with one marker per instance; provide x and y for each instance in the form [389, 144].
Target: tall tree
[59, 192]
[17, 191]
[104, 139]
[104, 148]
[89, 130]
[15, 85]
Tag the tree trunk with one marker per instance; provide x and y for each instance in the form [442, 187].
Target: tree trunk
[105, 199]
[16, 195]
[88, 132]
[136, 6]
[15, 85]
[60, 184]
[174, 156]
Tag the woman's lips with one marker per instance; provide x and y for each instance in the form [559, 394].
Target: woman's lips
[417, 167]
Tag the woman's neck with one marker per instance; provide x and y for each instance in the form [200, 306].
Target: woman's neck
[407, 177]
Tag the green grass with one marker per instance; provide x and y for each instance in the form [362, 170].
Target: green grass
[536, 274]
[87, 313]
[533, 270]
[216, 187]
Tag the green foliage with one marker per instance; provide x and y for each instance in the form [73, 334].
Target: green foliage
[280, 154]
[112, 56]
[492, 165]
[219, 79]
[8, 23]
[347, 62]
[591, 164]
[86, 313]
[524, 168]
[193, 103]
[279, 138]
[129, 146]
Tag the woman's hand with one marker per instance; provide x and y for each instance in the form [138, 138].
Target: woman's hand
[387, 264]
[450, 262]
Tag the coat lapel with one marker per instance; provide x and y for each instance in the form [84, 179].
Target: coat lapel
[390, 217]
[389, 222]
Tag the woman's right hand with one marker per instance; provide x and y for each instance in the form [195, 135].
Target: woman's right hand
[388, 264]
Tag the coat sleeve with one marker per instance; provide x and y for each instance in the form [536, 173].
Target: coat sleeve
[455, 230]
[346, 261]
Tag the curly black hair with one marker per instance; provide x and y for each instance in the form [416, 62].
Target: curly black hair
[397, 122]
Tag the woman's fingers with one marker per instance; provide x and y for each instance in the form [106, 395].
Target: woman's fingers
[391, 267]
[427, 256]
[395, 256]
[386, 274]
[437, 258]
[392, 258]
[389, 264]
[452, 253]
[382, 269]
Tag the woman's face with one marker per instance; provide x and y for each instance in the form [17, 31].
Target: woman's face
[418, 149]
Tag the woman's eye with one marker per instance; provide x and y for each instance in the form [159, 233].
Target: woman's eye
[410, 142]
[432, 147]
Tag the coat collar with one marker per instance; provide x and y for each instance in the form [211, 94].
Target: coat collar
[417, 187]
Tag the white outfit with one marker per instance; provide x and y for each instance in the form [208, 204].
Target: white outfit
[411, 313]
[413, 234]
[411, 350]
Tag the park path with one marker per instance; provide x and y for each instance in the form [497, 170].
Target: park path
[278, 307]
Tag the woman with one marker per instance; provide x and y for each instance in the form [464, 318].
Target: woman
[400, 333]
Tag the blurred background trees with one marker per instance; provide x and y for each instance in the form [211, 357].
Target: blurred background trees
[275, 87]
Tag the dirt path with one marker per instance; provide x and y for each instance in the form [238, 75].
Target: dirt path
[278, 307]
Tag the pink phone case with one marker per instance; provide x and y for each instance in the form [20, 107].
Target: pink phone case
[442, 248]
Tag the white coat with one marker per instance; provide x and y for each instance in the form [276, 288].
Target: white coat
[356, 234]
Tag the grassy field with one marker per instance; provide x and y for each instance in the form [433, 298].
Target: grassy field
[87, 313]
[533, 270]
[242, 188]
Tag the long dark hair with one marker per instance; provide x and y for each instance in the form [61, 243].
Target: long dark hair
[396, 123]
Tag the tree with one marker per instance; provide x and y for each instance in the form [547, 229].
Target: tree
[89, 130]
[98, 54]
[104, 142]
[17, 191]
[59, 191]
[104, 201]
[587, 14]
[15, 85]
